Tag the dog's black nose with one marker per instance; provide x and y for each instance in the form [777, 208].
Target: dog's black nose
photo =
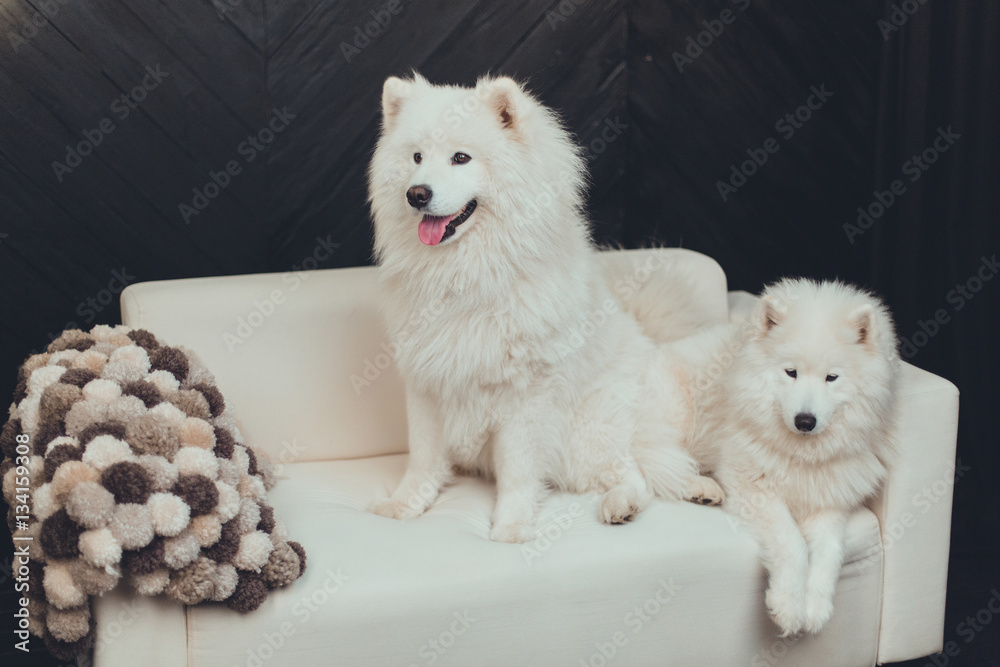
[418, 196]
[805, 422]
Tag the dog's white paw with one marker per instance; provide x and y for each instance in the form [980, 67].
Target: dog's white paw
[512, 533]
[704, 491]
[786, 608]
[819, 609]
[395, 509]
[620, 505]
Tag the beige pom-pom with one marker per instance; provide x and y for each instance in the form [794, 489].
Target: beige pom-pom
[282, 566]
[207, 528]
[10, 485]
[127, 364]
[164, 381]
[63, 356]
[93, 580]
[102, 332]
[226, 577]
[102, 391]
[69, 475]
[197, 461]
[241, 459]
[161, 471]
[132, 525]
[44, 502]
[194, 583]
[152, 583]
[249, 515]
[228, 472]
[181, 550]
[100, 548]
[170, 513]
[43, 377]
[196, 432]
[83, 414]
[255, 548]
[126, 408]
[229, 501]
[252, 487]
[69, 625]
[280, 531]
[90, 505]
[91, 360]
[105, 450]
[36, 471]
[60, 589]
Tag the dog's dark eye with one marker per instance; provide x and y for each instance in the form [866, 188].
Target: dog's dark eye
[460, 158]
[417, 157]
[791, 372]
[831, 377]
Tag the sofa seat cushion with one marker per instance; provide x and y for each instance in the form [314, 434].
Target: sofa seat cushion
[680, 585]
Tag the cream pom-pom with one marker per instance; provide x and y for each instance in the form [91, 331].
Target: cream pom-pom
[69, 474]
[226, 577]
[240, 459]
[170, 514]
[102, 391]
[164, 381]
[100, 548]
[197, 461]
[102, 332]
[249, 515]
[69, 625]
[91, 360]
[152, 583]
[229, 501]
[44, 502]
[170, 412]
[161, 471]
[64, 355]
[61, 440]
[127, 364]
[196, 432]
[252, 487]
[105, 450]
[255, 547]
[132, 525]
[207, 528]
[180, 550]
[43, 377]
[280, 531]
[60, 589]
[10, 485]
[228, 472]
[90, 505]
[126, 408]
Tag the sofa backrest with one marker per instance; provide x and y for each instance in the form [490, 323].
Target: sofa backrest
[302, 357]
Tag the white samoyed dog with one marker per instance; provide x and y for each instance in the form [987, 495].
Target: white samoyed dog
[519, 363]
[793, 412]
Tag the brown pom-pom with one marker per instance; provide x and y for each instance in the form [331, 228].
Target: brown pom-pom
[36, 577]
[112, 428]
[146, 560]
[58, 456]
[60, 536]
[128, 481]
[144, 391]
[78, 377]
[56, 401]
[21, 388]
[251, 591]
[198, 491]
[266, 522]
[93, 580]
[71, 339]
[225, 549]
[153, 434]
[302, 556]
[224, 443]
[68, 651]
[12, 429]
[68, 625]
[46, 433]
[216, 403]
[170, 359]
[192, 403]
[282, 567]
[144, 339]
[193, 583]
[252, 467]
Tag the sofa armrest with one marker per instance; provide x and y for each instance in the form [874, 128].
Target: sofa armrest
[136, 630]
[914, 511]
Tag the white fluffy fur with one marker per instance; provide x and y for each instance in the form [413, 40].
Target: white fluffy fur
[733, 402]
[518, 361]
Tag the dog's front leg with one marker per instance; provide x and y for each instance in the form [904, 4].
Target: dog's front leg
[824, 534]
[428, 468]
[518, 472]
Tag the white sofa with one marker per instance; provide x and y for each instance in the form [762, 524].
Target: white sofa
[681, 585]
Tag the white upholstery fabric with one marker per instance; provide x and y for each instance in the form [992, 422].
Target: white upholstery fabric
[557, 605]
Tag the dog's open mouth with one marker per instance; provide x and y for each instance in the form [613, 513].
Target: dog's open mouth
[436, 228]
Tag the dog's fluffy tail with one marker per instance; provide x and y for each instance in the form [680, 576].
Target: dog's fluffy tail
[666, 304]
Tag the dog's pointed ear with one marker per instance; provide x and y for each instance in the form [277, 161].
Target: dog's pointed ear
[506, 97]
[862, 320]
[770, 313]
[394, 93]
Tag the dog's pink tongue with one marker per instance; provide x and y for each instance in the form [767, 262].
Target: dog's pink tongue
[431, 229]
